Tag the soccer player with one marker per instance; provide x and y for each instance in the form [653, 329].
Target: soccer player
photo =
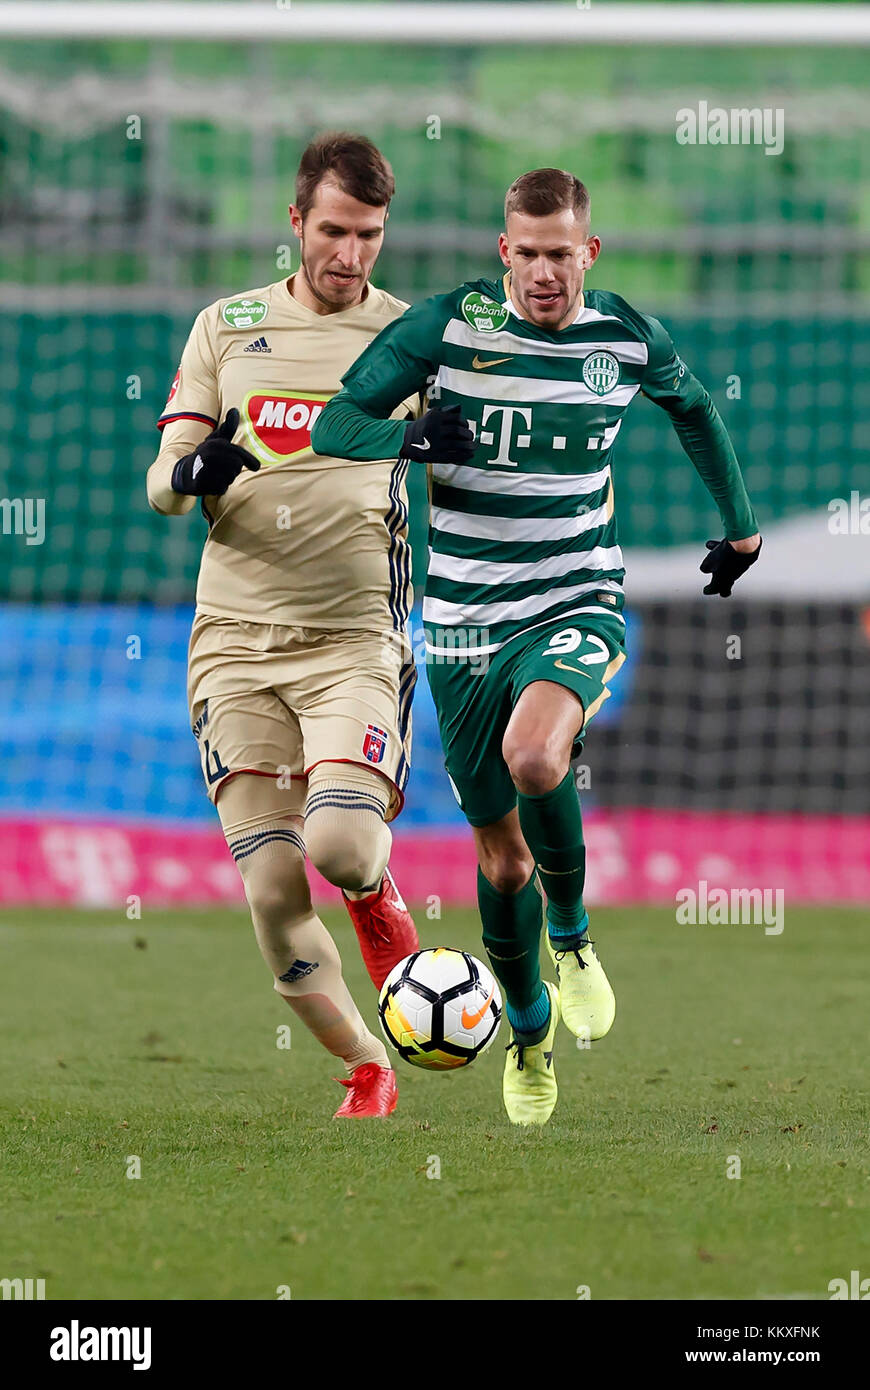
[300, 674]
[533, 378]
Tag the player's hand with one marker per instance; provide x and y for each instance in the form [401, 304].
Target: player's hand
[726, 563]
[214, 463]
[441, 436]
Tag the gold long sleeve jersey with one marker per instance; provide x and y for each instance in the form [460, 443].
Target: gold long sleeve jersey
[307, 541]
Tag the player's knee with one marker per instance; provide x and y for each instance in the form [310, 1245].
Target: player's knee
[346, 836]
[534, 768]
[270, 856]
[352, 862]
[292, 940]
[275, 885]
[507, 873]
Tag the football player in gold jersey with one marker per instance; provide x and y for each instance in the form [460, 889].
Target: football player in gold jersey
[300, 673]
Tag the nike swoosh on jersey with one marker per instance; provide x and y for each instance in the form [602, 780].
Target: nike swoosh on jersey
[563, 666]
[472, 1020]
[493, 362]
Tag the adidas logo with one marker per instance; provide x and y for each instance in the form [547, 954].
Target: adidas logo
[259, 345]
[298, 971]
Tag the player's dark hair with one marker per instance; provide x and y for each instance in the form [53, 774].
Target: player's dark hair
[543, 191]
[356, 165]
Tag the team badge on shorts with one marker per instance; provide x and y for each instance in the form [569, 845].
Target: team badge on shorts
[374, 744]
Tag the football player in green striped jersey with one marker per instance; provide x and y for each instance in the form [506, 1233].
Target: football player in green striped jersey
[529, 379]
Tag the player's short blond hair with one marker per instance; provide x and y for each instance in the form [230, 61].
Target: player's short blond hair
[353, 162]
[543, 191]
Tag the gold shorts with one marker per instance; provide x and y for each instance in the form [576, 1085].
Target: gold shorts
[278, 700]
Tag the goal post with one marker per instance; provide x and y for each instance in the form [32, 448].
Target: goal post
[456, 23]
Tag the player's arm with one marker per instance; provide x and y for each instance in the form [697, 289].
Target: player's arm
[189, 416]
[702, 433]
[400, 362]
[197, 457]
[179, 438]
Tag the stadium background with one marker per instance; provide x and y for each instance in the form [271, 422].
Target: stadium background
[115, 230]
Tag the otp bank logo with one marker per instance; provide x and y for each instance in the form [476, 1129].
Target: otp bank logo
[281, 425]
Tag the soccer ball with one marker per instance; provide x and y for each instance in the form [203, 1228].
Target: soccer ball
[440, 1008]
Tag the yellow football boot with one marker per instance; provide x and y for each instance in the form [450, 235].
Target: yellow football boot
[529, 1086]
[587, 1002]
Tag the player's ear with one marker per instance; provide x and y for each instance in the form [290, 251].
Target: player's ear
[591, 251]
[295, 220]
[504, 250]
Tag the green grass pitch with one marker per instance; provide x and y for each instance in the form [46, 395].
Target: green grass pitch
[158, 1039]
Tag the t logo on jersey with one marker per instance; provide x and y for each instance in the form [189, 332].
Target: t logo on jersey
[280, 424]
[522, 440]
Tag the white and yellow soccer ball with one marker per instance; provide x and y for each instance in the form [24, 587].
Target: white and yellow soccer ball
[440, 1008]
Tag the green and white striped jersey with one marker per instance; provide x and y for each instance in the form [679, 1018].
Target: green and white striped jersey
[525, 533]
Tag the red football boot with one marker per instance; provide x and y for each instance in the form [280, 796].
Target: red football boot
[371, 1090]
[385, 929]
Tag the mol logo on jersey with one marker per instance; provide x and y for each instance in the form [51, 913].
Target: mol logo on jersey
[281, 424]
[601, 372]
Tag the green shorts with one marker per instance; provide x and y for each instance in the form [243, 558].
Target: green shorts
[474, 701]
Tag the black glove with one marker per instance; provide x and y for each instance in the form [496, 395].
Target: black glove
[725, 565]
[441, 436]
[214, 463]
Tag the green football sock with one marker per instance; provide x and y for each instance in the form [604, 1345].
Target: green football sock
[512, 937]
[552, 828]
